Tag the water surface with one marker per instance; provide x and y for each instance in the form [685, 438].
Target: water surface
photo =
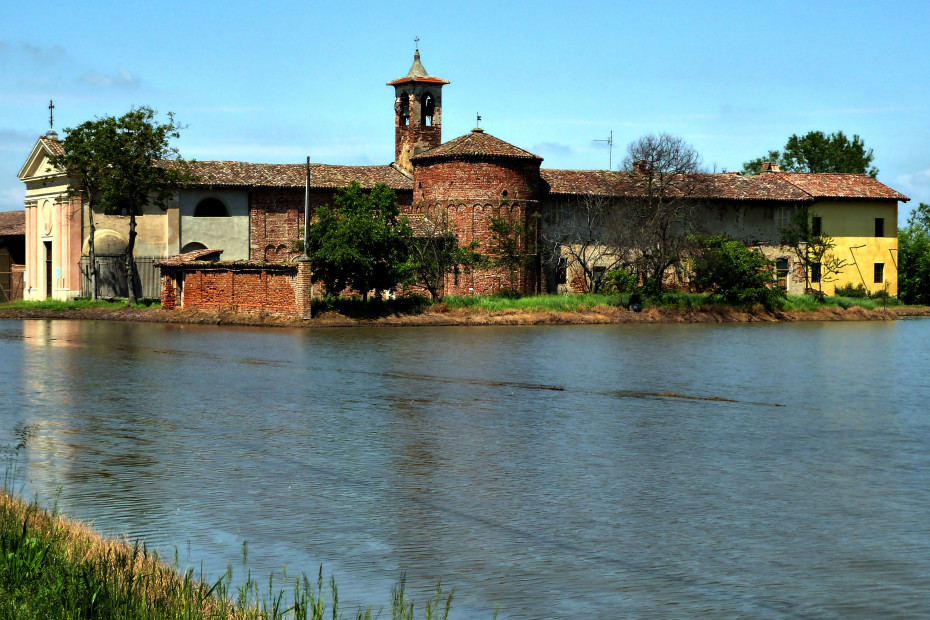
[765, 471]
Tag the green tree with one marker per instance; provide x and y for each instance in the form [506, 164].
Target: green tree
[360, 242]
[435, 252]
[914, 257]
[734, 273]
[818, 152]
[126, 163]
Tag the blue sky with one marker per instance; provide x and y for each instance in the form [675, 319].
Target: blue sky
[278, 81]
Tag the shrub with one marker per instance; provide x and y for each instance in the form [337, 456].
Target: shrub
[621, 280]
[856, 292]
[735, 274]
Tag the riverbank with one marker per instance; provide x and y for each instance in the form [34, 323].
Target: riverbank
[443, 316]
[53, 567]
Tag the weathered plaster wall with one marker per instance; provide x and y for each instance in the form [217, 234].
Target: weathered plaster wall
[231, 234]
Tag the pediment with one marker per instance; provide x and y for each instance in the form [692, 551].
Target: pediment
[37, 166]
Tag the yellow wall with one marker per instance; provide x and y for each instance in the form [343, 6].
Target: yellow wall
[851, 224]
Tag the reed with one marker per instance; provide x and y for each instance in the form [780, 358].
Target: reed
[52, 567]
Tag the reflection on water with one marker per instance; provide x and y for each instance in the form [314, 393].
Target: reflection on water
[758, 471]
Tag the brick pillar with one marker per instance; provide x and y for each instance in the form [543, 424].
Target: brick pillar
[303, 289]
[168, 292]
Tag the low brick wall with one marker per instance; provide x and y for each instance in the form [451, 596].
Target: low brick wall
[249, 287]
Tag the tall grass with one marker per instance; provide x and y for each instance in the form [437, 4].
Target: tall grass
[51, 567]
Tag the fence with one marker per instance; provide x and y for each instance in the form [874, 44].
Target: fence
[111, 277]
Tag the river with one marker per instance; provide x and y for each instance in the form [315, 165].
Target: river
[764, 471]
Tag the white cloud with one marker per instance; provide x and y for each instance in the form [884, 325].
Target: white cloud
[123, 79]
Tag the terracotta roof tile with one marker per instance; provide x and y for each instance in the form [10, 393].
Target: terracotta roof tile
[54, 146]
[244, 174]
[777, 186]
[475, 144]
[13, 223]
[187, 257]
[835, 185]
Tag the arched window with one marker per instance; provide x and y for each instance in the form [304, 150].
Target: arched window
[211, 207]
[404, 109]
[428, 108]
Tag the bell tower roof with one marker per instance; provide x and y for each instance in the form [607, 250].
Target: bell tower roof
[417, 73]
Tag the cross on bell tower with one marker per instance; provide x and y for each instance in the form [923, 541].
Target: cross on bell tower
[417, 112]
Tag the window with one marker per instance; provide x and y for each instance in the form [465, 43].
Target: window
[816, 226]
[879, 227]
[815, 273]
[879, 273]
[404, 109]
[782, 218]
[211, 207]
[561, 271]
[781, 273]
[428, 108]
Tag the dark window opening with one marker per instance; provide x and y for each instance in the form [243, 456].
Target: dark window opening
[428, 108]
[561, 271]
[504, 193]
[815, 273]
[879, 273]
[816, 226]
[404, 109]
[781, 273]
[211, 207]
[879, 227]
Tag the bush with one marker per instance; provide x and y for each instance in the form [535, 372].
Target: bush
[620, 280]
[735, 274]
[856, 292]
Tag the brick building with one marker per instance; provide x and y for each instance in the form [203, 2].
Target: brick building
[254, 212]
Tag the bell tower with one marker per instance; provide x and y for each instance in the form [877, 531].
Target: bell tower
[417, 113]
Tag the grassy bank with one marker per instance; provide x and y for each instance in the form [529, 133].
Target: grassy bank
[501, 309]
[51, 567]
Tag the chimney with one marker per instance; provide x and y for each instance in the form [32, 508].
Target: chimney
[767, 167]
[640, 167]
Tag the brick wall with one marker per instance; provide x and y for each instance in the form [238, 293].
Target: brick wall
[249, 288]
[473, 192]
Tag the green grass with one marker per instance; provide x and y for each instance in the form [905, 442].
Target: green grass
[534, 303]
[53, 568]
[76, 304]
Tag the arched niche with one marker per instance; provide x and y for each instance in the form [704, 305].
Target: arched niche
[211, 207]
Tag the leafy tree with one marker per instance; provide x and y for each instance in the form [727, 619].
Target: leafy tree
[360, 242]
[123, 164]
[914, 257]
[667, 186]
[512, 245]
[813, 251]
[817, 152]
[734, 273]
[435, 252]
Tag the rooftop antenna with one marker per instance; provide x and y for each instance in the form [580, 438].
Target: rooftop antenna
[610, 150]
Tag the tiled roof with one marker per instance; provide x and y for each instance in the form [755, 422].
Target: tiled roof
[243, 174]
[776, 186]
[475, 144]
[54, 146]
[13, 223]
[196, 255]
[841, 185]
[417, 73]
